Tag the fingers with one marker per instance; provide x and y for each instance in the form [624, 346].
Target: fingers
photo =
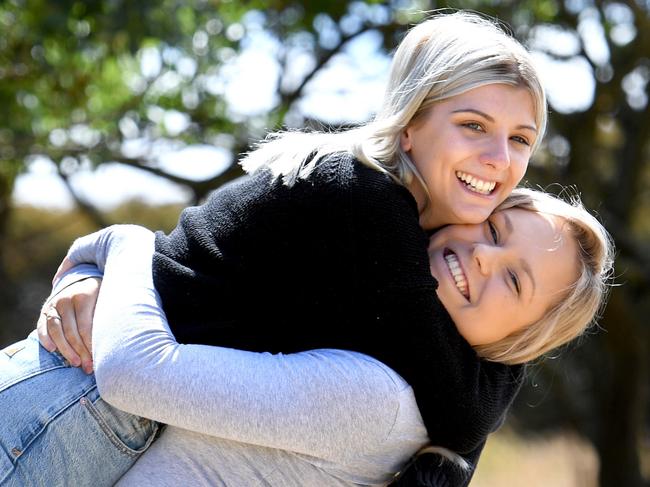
[66, 323]
[41, 329]
[79, 355]
[84, 305]
[54, 330]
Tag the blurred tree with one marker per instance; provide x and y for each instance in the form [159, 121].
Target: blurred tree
[88, 83]
[85, 83]
[113, 81]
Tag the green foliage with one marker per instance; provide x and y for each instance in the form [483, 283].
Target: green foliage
[76, 68]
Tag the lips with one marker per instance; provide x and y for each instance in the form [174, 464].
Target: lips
[460, 279]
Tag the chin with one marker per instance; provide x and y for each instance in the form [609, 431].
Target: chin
[475, 216]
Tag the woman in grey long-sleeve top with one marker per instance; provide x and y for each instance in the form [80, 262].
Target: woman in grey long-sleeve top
[325, 417]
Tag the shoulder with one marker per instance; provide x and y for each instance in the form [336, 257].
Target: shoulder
[372, 196]
[391, 246]
[390, 409]
[344, 169]
[352, 377]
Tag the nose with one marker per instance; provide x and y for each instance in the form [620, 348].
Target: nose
[487, 257]
[497, 154]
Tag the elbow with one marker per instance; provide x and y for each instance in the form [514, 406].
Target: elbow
[463, 428]
[463, 440]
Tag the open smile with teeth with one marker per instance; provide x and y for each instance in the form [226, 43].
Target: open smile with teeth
[476, 185]
[456, 271]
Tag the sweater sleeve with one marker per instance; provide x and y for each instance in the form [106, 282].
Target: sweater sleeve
[346, 246]
[326, 403]
[73, 275]
[435, 470]
[462, 398]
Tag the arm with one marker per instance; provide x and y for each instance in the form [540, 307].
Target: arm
[461, 397]
[322, 403]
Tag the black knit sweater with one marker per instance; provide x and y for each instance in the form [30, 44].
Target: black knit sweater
[336, 260]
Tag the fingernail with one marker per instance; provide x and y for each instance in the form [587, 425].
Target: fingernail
[75, 362]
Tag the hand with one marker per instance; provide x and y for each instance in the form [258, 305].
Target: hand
[66, 322]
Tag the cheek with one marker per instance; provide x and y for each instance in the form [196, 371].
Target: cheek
[477, 325]
[443, 237]
[429, 155]
[518, 169]
[496, 305]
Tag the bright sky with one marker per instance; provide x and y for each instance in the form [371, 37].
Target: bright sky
[349, 89]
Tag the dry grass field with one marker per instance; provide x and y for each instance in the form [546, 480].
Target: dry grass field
[559, 461]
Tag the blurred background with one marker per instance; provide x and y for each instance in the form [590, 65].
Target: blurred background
[115, 111]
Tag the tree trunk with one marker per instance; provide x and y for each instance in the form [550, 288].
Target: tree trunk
[7, 294]
[621, 405]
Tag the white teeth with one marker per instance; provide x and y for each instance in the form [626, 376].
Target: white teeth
[474, 184]
[457, 272]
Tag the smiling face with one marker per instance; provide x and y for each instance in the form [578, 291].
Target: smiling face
[500, 276]
[471, 150]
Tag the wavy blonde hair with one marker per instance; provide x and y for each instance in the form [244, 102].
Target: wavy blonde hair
[444, 56]
[580, 304]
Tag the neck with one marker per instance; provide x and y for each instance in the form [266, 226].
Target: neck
[428, 219]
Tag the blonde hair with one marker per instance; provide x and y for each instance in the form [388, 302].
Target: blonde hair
[580, 304]
[444, 56]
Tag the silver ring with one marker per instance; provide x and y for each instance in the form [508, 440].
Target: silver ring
[52, 314]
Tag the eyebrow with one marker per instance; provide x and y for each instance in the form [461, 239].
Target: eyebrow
[523, 263]
[490, 118]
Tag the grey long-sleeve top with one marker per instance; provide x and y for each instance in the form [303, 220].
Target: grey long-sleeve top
[317, 418]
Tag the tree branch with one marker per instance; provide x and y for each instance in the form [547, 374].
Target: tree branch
[289, 98]
[200, 189]
[95, 215]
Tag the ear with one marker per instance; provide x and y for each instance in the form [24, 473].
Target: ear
[405, 139]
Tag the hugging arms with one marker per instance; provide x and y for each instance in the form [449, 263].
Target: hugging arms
[280, 316]
[495, 247]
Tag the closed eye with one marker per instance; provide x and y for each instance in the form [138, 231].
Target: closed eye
[515, 282]
[494, 233]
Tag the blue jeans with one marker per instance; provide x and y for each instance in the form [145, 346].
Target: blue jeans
[55, 430]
